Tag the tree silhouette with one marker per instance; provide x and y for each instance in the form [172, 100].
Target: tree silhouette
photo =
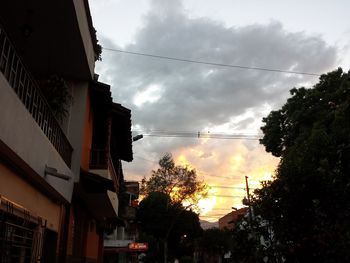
[308, 202]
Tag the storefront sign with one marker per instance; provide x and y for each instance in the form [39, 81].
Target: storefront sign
[138, 246]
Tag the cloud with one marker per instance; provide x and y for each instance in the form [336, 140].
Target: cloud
[179, 96]
[197, 96]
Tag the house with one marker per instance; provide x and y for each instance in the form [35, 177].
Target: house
[121, 244]
[95, 201]
[60, 162]
[230, 220]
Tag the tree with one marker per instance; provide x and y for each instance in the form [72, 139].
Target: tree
[308, 202]
[57, 94]
[156, 215]
[214, 243]
[170, 194]
[179, 182]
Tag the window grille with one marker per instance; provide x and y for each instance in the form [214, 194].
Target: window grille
[28, 92]
[21, 234]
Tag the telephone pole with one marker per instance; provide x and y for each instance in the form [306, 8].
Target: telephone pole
[249, 204]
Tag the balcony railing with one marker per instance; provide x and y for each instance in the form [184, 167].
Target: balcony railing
[128, 212]
[115, 174]
[28, 92]
[98, 159]
[101, 159]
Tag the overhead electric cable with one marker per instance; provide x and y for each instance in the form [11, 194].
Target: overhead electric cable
[210, 63]
[145, 159]
[213, 215]
[226, 187]
[206, 217]
[227, 196]
[207, 135]
[227, 137]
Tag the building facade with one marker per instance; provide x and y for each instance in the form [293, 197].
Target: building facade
[119, 244]
[62, 139]
[230, 220]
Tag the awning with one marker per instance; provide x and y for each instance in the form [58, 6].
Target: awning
[121, 138]
[92, 190]
[113, 116]
[95, 183]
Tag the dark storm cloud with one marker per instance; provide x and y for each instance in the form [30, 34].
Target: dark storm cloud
[192, 96]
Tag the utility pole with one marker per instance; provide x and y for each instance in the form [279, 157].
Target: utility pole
[249, 204]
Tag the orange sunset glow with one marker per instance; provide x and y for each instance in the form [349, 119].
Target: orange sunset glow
[224, 172]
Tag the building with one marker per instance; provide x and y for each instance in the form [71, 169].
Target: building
[62, 139]
[120, 245]
[95, 201]
[230, 220]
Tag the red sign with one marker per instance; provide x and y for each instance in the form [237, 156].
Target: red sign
[138, 246]
[135, 203]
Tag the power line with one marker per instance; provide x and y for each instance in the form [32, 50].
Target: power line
[221, 209]
[205, 216]
[228, 196]
[226, 187]
[145, 159]
[227, 137]
[205, 135]
[214, 216]
[210, 63]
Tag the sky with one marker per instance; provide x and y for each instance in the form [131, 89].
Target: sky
[175, 96]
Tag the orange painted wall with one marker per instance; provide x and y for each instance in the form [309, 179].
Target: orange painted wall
[92, 241]
[70, 238]
[87, 139]
[19, 191]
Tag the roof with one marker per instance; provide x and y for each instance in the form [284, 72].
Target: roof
[118, 115]
[121, 137]
[92, 190]
[229, 220]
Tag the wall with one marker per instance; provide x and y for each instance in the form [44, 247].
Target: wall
[17, 190]
[76, 123]
[70, 236]
[87, 138]
[113, 197]
[92, 241]
[20, 132]
[229, 220]
[85, 33]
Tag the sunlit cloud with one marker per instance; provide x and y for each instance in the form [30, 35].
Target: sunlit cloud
[178, 96]
[226, 168]
[151, 94]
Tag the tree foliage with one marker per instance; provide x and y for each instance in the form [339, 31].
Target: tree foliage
[214, 242]
[162, 213]
[57, 94]
[178, 182]
[155, 214]
[308, 203]
[167, 222]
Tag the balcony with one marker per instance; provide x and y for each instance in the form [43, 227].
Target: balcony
[128, 212]
[63, 44]
[120, 237]
[28, 92]
[100, 159]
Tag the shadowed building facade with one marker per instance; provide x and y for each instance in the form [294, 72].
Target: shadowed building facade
[230, 220]
[59, 173]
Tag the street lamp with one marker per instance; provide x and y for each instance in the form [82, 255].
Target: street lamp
[137, 137]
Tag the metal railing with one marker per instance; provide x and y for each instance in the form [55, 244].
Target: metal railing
[98, 159]
[115, 174]
[102, 159]
[21, 233]
[128, 212]
[29, 93]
